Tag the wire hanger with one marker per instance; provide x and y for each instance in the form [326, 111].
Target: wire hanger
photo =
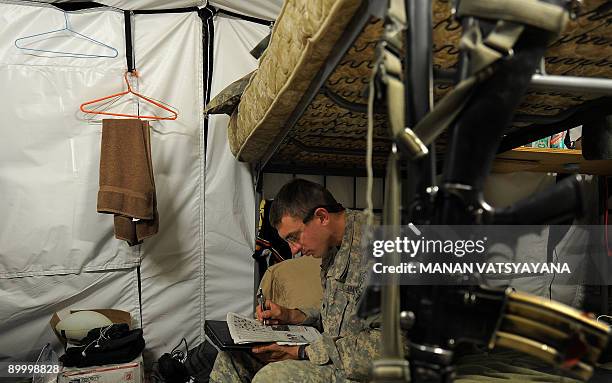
[129, 90]
[22, 43]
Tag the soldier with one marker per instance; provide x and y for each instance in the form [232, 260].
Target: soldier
[308, 217]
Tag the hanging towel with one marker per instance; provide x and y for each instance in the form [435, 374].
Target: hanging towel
[127, 187]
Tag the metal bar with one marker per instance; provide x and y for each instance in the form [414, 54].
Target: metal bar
[419, 91]
[353, 30]
[418, 69]
[551, 83]
[324, 171]
[344, 103]
[335, 151]
[593, 85]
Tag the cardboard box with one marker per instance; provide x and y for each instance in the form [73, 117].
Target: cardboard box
[131, 372]
[116, 316]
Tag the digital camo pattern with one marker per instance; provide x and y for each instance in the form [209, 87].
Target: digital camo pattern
[227, 100]
[250, 370]
[349, 342]
[234, 367]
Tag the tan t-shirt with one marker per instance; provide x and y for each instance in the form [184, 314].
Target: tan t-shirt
[294, 283]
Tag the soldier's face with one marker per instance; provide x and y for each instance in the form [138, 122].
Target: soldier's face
[310, 238]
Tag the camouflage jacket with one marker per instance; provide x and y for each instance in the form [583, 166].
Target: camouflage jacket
[348, 342]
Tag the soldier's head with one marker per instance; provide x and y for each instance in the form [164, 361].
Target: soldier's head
[308, 217]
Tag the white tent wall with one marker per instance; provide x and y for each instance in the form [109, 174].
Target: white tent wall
[55, 250]
[48, 165]
[141, 4]
[27, 305]
[230, 204]
[264, 9]
[168, 51]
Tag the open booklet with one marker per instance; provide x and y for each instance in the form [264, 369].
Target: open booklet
[247, 330]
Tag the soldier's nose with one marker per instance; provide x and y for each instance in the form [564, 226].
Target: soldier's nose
[295, 248]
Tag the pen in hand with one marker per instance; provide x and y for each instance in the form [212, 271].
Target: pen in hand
[262, 304]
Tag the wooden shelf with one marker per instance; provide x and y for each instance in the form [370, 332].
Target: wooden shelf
[549, 160]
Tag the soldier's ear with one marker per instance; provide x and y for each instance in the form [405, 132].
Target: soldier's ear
[322, 215]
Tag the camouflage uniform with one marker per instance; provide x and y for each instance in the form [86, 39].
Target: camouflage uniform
[348, 344]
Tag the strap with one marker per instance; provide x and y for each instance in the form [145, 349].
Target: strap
[390, 72]
[496, 45]
[483, 53]
[538, 14]
[397, 11]
[129, 50]
[443, 114]
[391, 334]
[396, 21]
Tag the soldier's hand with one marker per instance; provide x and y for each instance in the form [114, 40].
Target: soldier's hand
[273, 352]
[276, 314]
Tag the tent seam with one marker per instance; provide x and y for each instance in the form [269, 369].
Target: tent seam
[207, 42]
[108, 267]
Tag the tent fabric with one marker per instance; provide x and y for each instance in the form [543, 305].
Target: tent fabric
[168, 52]
[29, 302]
[141, 4]
[49, 154]
[230, 204]
[51, 237]
[152, 4]
[264, 9]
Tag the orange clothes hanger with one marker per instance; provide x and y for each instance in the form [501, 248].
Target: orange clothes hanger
[129, 90]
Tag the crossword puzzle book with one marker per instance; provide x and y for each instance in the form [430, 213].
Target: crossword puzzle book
[247, 330]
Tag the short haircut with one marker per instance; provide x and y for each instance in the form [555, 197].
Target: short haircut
[297, 198]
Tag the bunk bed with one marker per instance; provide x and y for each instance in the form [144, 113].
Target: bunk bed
[304, 109]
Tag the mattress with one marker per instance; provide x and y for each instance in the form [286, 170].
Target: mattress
[327, 135]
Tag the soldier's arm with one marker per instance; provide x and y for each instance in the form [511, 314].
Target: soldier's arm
[312, 317]
[353, 354]
[276, 314]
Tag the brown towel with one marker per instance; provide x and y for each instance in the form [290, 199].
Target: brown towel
[127, 187]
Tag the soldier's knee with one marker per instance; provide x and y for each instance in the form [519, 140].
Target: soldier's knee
[221, 367]
[269, 373]
[223, 358]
